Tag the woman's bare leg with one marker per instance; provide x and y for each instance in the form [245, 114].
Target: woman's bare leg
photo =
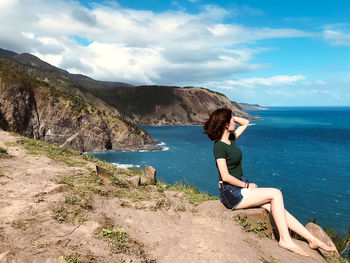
[261, 196]
[298, 228]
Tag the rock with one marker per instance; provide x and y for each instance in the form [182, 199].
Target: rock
[3, 256]
[149, 176]
[134, 180]
[177, 201]
[215, 208]
[255, 216]
[36, 110]
[319, 233]
[52, 190]
[102, 174]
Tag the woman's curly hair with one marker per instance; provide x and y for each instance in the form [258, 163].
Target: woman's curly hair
[214, 126]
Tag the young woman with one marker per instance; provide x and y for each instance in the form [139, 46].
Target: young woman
[237, 194]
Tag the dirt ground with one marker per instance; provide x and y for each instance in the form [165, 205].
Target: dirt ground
[46, 216]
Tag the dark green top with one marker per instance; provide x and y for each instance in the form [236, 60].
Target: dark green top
[233, 156]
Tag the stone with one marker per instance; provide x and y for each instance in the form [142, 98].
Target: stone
[319, 233]
[102, 174]
[149, 176]
[134, 180]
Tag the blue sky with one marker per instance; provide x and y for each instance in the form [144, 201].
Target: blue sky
[264, 51]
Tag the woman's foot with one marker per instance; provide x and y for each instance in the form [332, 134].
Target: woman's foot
[316, 243]
[291, 246]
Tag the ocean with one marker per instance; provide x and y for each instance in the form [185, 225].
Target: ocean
[303, 151]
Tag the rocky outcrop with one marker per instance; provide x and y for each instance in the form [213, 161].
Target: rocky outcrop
[164, 105]
[140, 105]
[37, 110]
[246, 106]
[53, 211]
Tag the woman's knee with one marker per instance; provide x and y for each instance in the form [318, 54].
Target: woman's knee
[276, 193]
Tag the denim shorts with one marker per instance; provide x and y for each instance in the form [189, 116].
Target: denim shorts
[230, 195]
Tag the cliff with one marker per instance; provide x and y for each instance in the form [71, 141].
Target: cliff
[140, 105]
[38, 110]
[246, 106]
[164, 105]
[56, 207]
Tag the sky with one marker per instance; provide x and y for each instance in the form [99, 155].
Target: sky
[267, 52]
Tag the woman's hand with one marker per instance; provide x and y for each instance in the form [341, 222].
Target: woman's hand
[252, 185]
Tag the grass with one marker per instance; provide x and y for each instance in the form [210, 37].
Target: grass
[57, 153]
[68, 180]
[195, 197]
[3, 151]
[41, 245]
[73, 208]
[259, 228]
[19, 225]
[119, 239]
[335, 259]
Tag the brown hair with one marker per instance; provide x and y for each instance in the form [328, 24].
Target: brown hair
[214, 126]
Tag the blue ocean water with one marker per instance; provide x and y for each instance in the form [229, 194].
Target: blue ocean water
[304, 151]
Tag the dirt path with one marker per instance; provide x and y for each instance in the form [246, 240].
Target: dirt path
[46, 216]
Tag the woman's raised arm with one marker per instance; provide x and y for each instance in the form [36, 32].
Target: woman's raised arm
[243, 124]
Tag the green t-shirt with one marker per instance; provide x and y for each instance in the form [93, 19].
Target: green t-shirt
[233, 156]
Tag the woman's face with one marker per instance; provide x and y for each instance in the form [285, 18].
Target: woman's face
[231, 126]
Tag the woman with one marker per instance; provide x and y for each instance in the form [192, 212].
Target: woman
[237, 194]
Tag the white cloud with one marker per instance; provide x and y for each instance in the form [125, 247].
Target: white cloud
[336, 37]
[272, 81]
[134, 46]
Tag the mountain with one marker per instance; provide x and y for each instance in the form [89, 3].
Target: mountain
[140, 105]
[246, 106]
[7, 53]
[36, 109]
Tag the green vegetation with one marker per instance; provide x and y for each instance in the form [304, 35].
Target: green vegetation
[73, 258]
[19, 225]
[270, 260]
[68, 180]
[195, 197]
[259, 228]
[73, 208]
[41, 245]
[119, 239]
[57, 153]
[139, 99]
[3, 151]
[341, 243]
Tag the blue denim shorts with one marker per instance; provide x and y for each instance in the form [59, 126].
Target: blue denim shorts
[230, 195]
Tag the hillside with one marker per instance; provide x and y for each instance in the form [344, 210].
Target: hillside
[141, 105]
[38, 110]
[57, 206]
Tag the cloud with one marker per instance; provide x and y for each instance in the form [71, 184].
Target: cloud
[84, 17]
[272, 81]
[135, 46]
[336, 38]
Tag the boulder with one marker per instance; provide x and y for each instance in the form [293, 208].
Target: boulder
[103, 174]
[149, 176]
[253, 216]
[134, 180]
[319, 233]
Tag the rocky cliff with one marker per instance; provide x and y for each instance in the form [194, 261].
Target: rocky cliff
[37, 110]
[140, 105]
[166, 105]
